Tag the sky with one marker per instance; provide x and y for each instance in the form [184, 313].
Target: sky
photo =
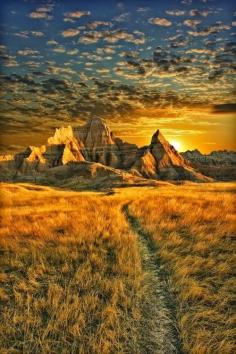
[142, 65]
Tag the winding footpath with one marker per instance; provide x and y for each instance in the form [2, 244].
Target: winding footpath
[158, 326]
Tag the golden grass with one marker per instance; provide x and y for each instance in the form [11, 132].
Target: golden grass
[71, 275]
[193, 228]
[70, 267]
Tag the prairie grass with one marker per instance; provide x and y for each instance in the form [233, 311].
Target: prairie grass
[71, 280]
[71, 274]
[193, 228]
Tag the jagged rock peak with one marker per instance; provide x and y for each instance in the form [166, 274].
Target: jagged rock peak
[98, 134]
[36, 153]
[62, 135]
[158, 138]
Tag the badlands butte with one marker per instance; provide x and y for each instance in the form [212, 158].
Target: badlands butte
[91, 155]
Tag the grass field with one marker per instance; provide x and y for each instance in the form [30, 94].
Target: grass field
[144, 270]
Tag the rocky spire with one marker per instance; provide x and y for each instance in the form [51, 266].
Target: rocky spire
[63, 135]
[158, 138]
[161, 160]
[98, 134]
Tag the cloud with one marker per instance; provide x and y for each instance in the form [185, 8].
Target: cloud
[42, 13]
[95, 24]
[56, 70]
[3, 48]
[27, 51]
[105, 50]
[70, 32]
[59, 49]
[175, 12]
[44, 9]
[26, 34]
[160, 21]
[73, 51]
[38, 15]
[196, 12]
[224, 108]
[170, 64]
[66, 19]
[56, 98]
[115, 36]
[178, 40]
[22, 34]
[216, 74]
[129, 54]
[186, 2]
[52, 42]
[192, 23]
[143, 9]
[103, 71]
[56, 85]
[120, 6]
[37, 33]
[214, 29]
[77, 14]
[8, 60]
[32, 64]
[91, 37]
[199, 51]
[15, 78]
[122, 18]
[181, 71]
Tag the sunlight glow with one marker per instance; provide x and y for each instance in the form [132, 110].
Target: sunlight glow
[177, 144]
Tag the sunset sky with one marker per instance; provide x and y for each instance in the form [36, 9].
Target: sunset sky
[139, 64]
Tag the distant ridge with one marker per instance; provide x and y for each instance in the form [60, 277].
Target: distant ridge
[219, 164]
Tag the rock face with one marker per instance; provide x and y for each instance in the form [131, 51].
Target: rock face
[160, 160]
[7, 166]
[220, 165]
[63, 135]
[146, 164]
[87, 148]
[100, 145]
[64, 147]
[95, 134]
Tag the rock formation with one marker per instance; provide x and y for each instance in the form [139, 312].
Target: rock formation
[220, 165]
[100, 145]
[87, 148]
[160, 160]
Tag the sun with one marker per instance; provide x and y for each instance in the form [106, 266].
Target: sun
[176, 143]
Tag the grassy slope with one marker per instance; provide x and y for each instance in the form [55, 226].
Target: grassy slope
[71, 272]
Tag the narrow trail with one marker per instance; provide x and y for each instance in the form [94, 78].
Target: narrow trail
[158, 324]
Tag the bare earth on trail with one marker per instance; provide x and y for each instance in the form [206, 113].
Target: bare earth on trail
[143, 270]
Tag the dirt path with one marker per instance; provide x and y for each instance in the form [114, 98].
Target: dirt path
[158, 328]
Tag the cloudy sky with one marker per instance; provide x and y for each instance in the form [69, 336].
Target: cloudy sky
[139, 64]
